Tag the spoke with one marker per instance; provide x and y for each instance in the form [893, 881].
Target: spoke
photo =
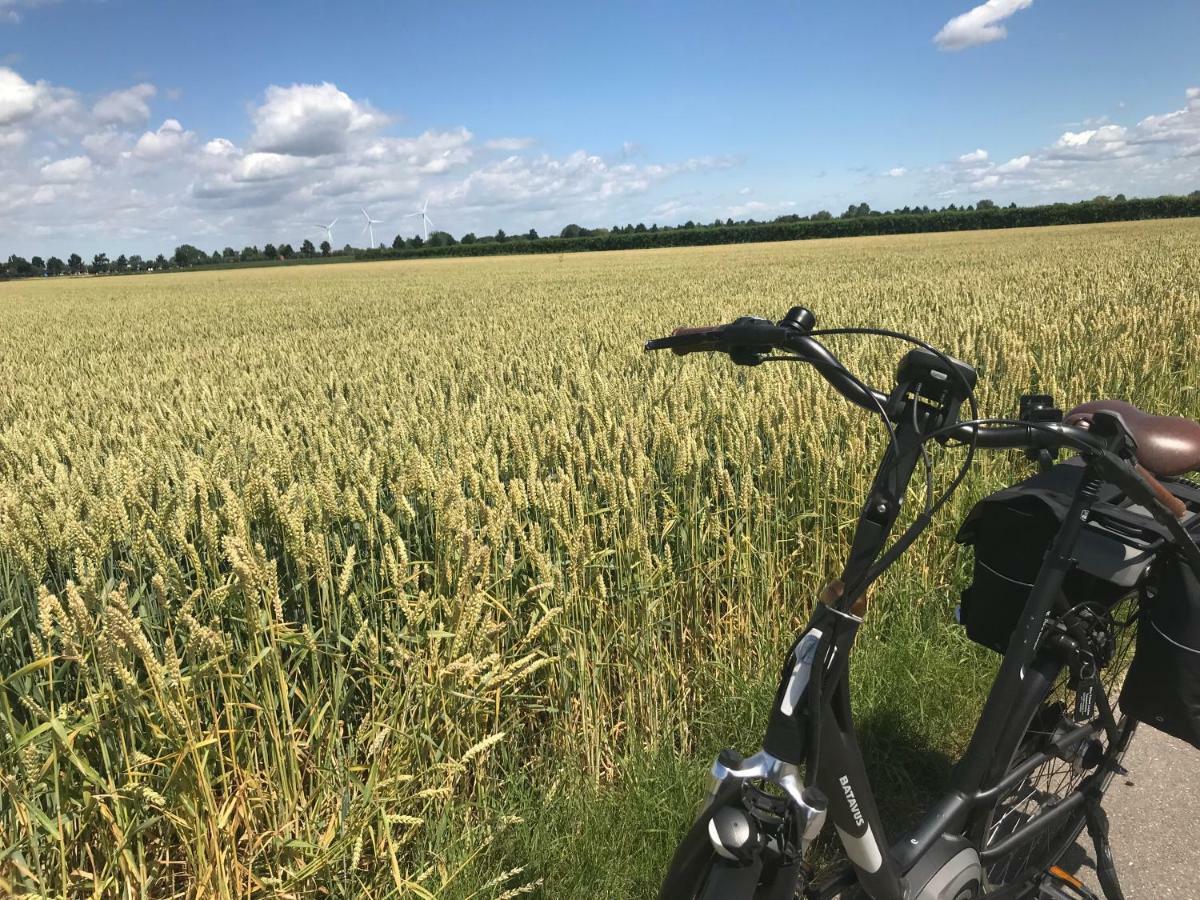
[1014, 809]
[1056, 779]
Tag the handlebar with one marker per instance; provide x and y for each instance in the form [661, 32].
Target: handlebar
[749, 340]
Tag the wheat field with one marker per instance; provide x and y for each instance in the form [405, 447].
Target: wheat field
[327, 581]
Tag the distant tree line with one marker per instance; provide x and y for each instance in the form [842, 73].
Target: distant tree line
[858, 220]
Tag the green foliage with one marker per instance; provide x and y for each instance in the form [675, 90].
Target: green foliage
[187, 255]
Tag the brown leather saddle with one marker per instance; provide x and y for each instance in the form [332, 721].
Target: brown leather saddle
[1167, 445]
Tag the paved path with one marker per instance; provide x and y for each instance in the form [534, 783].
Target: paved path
[1155, 814]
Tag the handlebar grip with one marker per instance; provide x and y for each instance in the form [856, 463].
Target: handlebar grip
[699, 331]
[683, 341]
[1165, 497]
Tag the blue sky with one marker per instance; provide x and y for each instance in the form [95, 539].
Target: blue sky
[134, 126]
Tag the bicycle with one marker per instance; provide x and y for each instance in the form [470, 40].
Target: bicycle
[1049, 737]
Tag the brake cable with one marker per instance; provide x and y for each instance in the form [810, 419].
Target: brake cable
[914, 530]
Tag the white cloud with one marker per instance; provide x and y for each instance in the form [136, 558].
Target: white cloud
[168, 141]
[1016, 164]
[18, 98]
[10, 9]
[268, 166]
[1107, 141]
[125, 107]
[974, 156]
[897, 172]
[22, 102]
[1179, 127]
[430, 153]
[511, 143]
[544, 183]
[68, 171]
[980, 25]
[221, 148]
[1160, 154]
[107, 145]
[310, 120]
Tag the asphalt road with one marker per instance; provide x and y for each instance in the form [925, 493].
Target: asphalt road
[1155, 819]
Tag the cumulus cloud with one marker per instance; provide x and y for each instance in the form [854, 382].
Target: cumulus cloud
[268, 166]
[544, 181]
[1179, 127]
[1159, 154]
[430, 153]
[511, 143]
[169, 140]
[1106, 142]
[39, 102]
[107, 145]
[221, 148]
[68, 171]
[126, 107]
[18, 98]
[310, 120]
[897, 172]
[980, 25]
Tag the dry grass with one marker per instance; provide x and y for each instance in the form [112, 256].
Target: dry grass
[299, 566]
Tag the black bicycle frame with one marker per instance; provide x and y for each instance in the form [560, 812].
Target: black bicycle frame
[822, 732]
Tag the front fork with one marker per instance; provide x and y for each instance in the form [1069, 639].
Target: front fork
[811, 710]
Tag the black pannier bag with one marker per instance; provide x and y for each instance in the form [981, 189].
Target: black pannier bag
[1011, 531]
[1162, 688]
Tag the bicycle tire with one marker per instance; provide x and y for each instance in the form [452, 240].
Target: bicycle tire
[1047, 692]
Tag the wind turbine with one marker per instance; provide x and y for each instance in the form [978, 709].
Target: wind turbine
[369, 227]
[328, 229]
[425, 220]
